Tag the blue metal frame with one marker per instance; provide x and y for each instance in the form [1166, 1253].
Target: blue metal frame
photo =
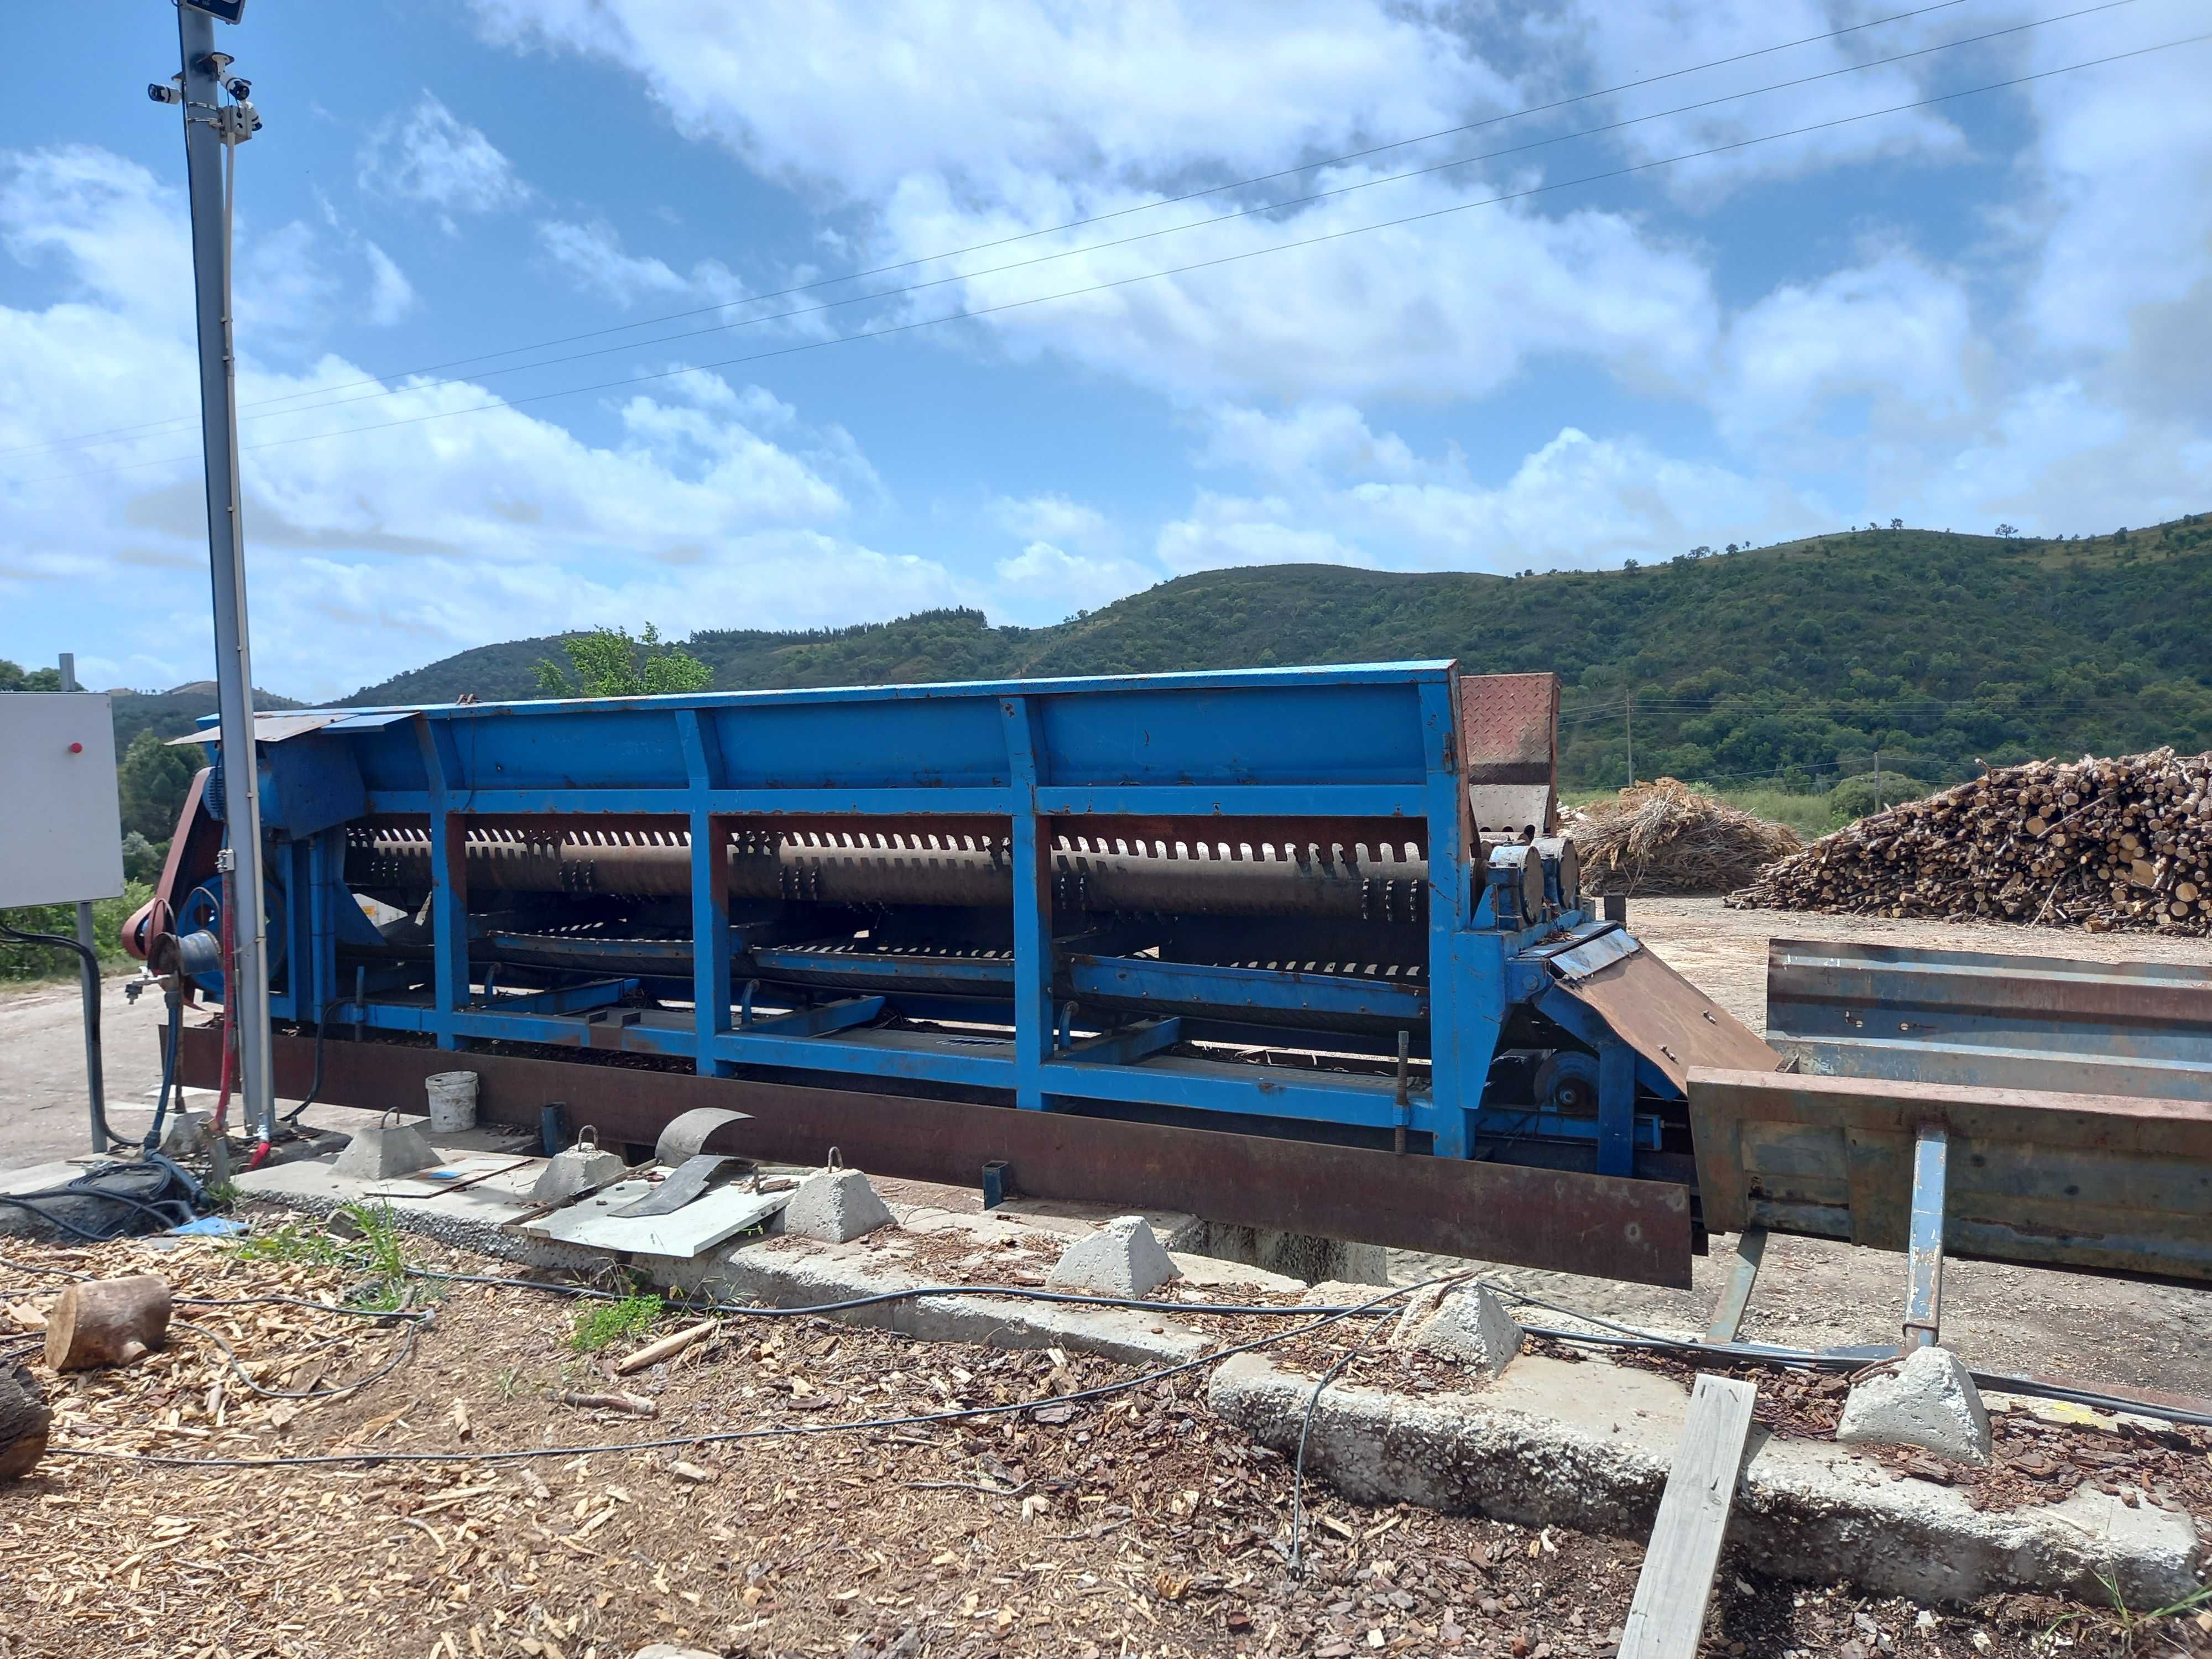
[1370, 742]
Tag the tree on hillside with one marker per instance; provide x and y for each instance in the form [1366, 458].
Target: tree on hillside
[2008, 531]
[153, 780]
[1897, 524]
[609, 663]
[14, 678]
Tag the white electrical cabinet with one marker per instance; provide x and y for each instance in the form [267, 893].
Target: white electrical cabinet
[61, 825]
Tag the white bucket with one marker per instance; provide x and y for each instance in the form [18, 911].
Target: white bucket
[453, 1101]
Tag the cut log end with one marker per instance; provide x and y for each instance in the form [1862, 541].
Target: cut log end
[108, 1322]
[24, 1421]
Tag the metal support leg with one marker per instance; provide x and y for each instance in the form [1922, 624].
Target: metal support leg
[1616, 1110]
[1031, 858]
[1923, 1255]
[1728, 1316]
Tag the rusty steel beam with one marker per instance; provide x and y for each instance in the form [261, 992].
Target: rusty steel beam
[1607, 1227]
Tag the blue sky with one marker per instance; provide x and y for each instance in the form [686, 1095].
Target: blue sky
[1996, 307]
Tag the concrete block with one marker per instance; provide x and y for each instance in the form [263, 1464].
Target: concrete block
[1122, 1258]
[581, 1168]
[380, 1153]
[1929, 1401]
[1468, 1325]
[184, 1134]
[834, 1206]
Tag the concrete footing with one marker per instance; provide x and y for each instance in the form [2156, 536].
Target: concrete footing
[387, 1150]
[1589, 1446]
[1929, 1401]
[834, 1207]
[1122, 1258]
[1468, 1325]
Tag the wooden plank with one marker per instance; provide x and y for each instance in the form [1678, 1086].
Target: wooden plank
[1668, 1612]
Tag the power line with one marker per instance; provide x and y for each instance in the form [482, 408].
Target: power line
[332, 401]
[1047, 230]
[1318, 239]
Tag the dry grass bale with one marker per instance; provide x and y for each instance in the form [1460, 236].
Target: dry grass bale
[1666, 837]
[2099, 844]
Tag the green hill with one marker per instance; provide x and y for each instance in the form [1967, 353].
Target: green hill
[1796, 661]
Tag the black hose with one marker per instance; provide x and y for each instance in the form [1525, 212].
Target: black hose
[90, 959]
[315, 1082]
[176, 1000]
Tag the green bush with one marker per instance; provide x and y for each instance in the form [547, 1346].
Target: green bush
[20, 964]
[1855, 797]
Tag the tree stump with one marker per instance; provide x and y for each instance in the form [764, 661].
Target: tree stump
[24, 1421]
[108, 1322]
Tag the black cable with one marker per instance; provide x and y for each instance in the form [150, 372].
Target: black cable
[416, 1319]
[173, 995]
[91, 963]
[168, 1212]
[975, 312]
[315, 1082]
[1305, 1429]
[1022, 236]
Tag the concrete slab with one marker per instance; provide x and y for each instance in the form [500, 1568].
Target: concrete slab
[1588, 1446]
[715, 1216]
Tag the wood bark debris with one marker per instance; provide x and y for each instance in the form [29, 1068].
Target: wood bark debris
[2102, 844]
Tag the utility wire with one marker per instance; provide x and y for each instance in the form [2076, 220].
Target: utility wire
[1047, 230]
[1319, 239]
[334, 401]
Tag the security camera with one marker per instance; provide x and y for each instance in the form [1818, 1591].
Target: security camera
[238, 88]
[161, 92]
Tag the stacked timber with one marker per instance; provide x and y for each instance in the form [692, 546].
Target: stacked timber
[1666, 837]
[2097, 844]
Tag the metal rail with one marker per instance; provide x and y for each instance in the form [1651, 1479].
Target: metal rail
[1638, 1231]
[1975, 1019]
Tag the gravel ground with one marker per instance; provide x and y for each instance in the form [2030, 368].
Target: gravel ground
[1136, 1524]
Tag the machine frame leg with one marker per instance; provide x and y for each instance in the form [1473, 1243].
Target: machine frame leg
[1923, 1253]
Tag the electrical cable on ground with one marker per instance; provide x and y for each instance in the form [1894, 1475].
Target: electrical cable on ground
[1027, 235]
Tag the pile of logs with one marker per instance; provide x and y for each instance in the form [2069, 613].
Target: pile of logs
[2098, 843]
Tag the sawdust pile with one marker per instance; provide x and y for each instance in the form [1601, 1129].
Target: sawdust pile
[2102, 844]
[1665, 837]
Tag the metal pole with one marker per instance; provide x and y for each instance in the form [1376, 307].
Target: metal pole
[1628, 717]
[88, 976]
[246, 988]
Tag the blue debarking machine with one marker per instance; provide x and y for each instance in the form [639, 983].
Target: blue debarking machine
[1295, 948]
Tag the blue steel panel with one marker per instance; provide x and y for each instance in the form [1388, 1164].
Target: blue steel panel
[947, 741]
[1304, 734]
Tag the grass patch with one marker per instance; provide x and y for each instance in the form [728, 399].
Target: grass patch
[603, 1323]
[356, 1237]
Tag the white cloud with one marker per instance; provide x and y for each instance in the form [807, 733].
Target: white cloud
[864, 93]
[1605, 43]
[1894, 330]
[426, 153]
[390, 295]
[1044, 583]
[716, 505]
[592, 256]
[1049, 518]
[1578, 501]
